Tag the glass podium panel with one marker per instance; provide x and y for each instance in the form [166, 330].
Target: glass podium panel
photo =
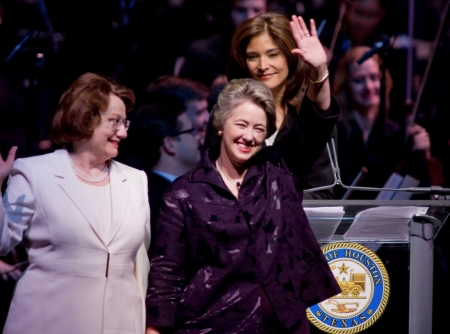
[411, 239]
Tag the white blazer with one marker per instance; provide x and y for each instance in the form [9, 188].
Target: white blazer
[76, 281]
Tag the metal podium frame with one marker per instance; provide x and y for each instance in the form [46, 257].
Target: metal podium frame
[423, 231]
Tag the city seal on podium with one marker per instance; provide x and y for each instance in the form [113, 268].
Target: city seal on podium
[364, 293]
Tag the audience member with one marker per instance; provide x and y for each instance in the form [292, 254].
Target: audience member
[206, 59]
[363, 23]
[367, 138]
[194, 95]
[234, 251]
[163, 142]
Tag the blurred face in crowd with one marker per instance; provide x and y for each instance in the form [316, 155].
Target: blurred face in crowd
[186, 143]
[364, 85]
[245, 9]
[266, 63]
[243, 134]
[362, 18]
[197, 111]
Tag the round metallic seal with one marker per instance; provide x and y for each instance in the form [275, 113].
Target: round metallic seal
[364, 293]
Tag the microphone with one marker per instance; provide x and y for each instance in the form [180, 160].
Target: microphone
[438, 191]
[378, 46]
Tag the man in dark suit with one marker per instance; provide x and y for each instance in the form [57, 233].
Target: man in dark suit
[193, 93]
[163, 142]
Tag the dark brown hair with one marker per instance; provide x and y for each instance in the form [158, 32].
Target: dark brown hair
[183, 88]
[78, 111]
[278, 27]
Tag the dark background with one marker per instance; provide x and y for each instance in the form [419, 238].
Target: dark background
[45, 45]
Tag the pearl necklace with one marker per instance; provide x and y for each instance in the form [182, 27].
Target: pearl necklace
[237, 183]
[87, 178]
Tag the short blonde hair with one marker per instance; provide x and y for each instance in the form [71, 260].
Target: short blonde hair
[238, 91]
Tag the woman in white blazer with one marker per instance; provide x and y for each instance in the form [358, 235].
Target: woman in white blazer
[84, 218]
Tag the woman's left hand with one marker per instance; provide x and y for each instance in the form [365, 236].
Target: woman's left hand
[309, 46]
[7, 270]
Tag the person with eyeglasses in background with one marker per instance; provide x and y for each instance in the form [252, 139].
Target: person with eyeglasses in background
[164, 143]
[193, 93]
[83, 217]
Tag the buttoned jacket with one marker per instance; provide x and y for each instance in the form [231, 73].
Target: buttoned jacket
[214, 253]
[77, 281]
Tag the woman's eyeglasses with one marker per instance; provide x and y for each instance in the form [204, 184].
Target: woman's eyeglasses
[116, 123]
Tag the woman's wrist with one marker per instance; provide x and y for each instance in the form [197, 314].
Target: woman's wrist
[321, 78]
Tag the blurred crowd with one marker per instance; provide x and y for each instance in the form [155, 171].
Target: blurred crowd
[47, 44]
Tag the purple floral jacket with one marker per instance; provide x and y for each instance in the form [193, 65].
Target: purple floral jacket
[213, 254]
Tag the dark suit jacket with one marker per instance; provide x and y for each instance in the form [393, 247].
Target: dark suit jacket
[321, 173]
[157, 186]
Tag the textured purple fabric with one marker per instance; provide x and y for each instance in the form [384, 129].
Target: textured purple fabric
[213, 254]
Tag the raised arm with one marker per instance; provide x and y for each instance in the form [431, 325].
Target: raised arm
[313, 54]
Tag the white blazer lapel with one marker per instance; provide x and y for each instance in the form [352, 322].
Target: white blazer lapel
[70, 184]
[119, 200]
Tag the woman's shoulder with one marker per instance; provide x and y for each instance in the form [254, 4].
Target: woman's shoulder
[47, 158]
[125, 167]
[133, 173]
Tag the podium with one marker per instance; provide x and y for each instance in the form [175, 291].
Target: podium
[411, 239]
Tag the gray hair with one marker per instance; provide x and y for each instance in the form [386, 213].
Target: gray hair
[238, 91]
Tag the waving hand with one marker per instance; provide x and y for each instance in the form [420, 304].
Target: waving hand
[312, 52]
[308, 43]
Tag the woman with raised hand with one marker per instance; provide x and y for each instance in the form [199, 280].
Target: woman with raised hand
[233, 249]
[289, 59]
[84, 219]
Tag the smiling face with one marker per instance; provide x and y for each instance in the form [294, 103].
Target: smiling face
[364, 85]
[243, 134]
[104, 143]
[266, 63]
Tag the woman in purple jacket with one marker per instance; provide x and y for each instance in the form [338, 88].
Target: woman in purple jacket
[234, 251]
